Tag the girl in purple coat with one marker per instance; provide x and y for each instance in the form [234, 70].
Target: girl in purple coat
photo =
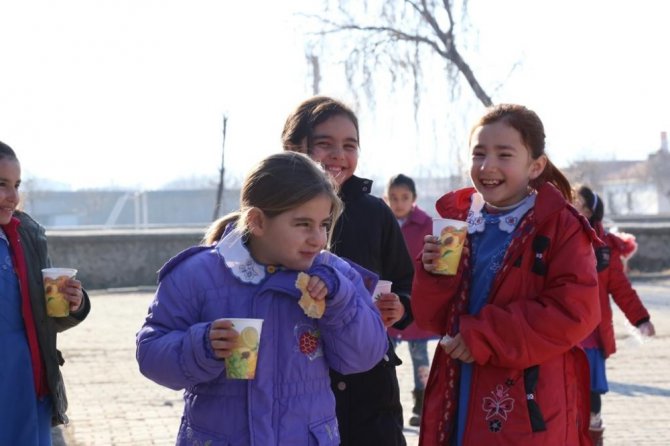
[247, 268]
[415, 225]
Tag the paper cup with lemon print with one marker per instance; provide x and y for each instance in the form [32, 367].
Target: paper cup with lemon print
[54, 282]
[451, 235]
[242, 363]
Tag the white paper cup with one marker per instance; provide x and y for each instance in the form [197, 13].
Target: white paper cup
[54, 280]
[383, 287]
[451, 235]
[242, 363]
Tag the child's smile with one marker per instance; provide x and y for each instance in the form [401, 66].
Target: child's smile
[502, 166]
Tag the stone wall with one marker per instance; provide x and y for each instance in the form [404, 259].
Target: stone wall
[119, 259]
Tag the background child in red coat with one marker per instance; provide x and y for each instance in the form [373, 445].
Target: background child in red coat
[415, 225]
[612, 281]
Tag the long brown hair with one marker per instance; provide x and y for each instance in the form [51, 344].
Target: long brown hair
[299, 125]
[529, 126]
[277, 184]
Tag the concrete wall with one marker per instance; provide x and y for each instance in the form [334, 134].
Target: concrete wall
[118, 259]
[653, 253]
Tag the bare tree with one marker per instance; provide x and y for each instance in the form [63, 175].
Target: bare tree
[398, 36]
[219, 192]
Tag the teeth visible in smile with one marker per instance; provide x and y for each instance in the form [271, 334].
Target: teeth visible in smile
[491, 182]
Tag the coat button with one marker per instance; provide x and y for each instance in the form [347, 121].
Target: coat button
[341, 386]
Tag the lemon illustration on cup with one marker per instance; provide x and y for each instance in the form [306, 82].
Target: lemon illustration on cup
[241, 364]
[249, 338]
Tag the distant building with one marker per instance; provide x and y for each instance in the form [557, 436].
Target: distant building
[629, 187]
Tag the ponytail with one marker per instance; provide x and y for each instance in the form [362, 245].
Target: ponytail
[551, 174]
[217, 228]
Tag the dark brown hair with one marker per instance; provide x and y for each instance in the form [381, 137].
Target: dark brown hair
[299, 125]
[529, 126]
[402, 180]
[594, 203]
[6, 152]
[277, 184]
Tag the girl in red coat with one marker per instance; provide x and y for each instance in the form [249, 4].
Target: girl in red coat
[510, 370]
[612, 281]
[415, 225]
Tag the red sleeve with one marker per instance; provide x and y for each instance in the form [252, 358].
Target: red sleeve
[431, 298]
[533, 318]
[622, 292]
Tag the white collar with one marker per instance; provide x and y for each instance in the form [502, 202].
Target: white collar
[507, 222]
[3, 235]
[238, 258]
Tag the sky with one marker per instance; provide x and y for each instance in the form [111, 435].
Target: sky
[132, 93]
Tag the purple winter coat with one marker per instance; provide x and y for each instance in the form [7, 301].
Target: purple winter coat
[290, 400]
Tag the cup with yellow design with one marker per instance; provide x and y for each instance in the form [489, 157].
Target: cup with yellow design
[242, 363]
[54, 283]
[451, 236]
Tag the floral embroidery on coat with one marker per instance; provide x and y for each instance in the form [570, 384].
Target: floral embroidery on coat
[497, 407]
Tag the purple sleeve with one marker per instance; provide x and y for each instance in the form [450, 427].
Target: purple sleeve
[170, 345]
[354, 336]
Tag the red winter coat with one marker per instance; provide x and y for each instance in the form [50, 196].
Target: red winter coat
[530, 382]
[612, 281]
[417, 225]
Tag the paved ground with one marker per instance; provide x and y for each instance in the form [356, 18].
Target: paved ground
[112, 404]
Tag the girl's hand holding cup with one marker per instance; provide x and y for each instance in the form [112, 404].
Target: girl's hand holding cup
[223, 338]
[390, 308]
[431, 252]
[73, 293]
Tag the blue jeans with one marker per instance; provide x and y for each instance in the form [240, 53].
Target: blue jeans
[418, 351]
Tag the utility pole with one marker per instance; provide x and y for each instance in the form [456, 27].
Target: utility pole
[219, 192]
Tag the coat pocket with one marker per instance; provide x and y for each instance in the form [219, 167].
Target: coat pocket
[324, 433]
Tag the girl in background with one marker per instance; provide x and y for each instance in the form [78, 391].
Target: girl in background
[368, 404]
[510, 370]
[248, 268]
[612, 281]
[415, 225]
[32, 392]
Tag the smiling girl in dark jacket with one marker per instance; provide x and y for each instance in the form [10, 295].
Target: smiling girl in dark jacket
[368, 404]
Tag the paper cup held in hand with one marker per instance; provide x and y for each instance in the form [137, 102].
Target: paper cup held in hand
[451, 235]
[242, 363]
[383, 287]
[54, 282]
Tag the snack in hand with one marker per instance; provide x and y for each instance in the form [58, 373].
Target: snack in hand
[312, 308]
